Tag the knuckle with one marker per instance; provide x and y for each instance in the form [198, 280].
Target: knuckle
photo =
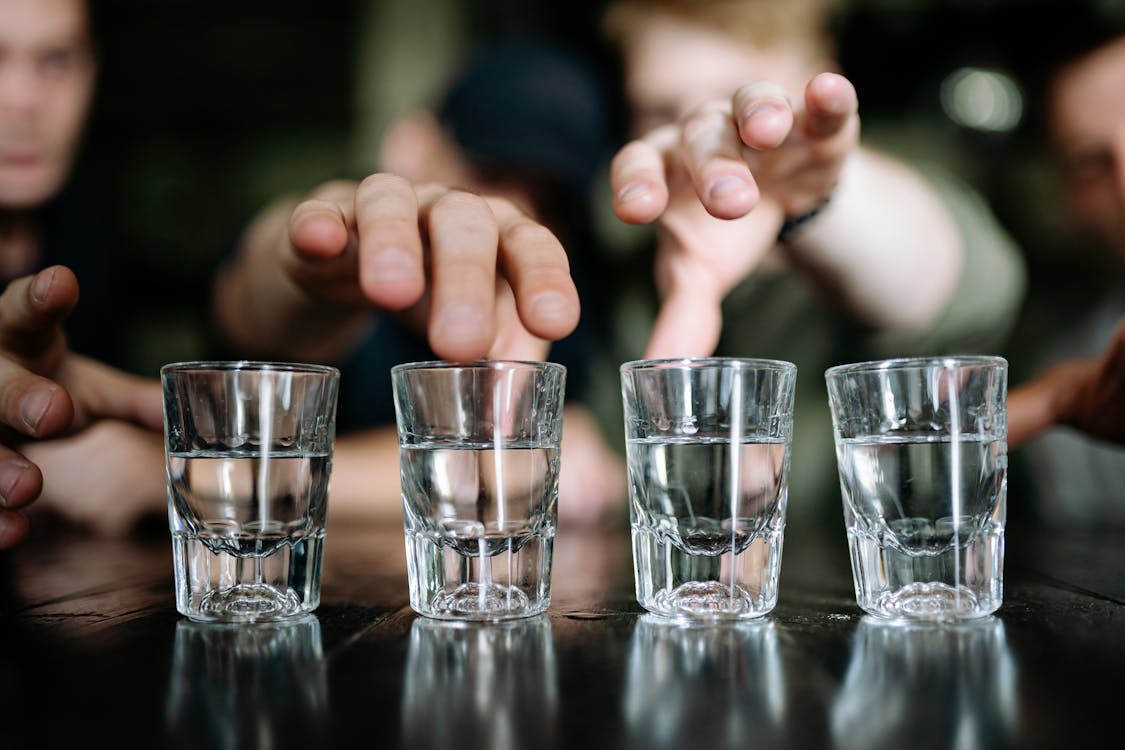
[529, 233]
[383, 181]
[460, 203]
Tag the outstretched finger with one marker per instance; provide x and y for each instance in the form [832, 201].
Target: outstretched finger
[763, 114]
[831, 106]
[391, 267]
[637, 177]
[538, 270]
[712, 153]
[463, 237]
[32, 310]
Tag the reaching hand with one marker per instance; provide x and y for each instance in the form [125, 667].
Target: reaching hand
[478, 276]
[721, 181]
[45, 391]
[1087, 394]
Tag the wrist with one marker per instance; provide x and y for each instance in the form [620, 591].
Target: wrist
[793, 224]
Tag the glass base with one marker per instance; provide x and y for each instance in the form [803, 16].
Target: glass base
[928, 601]
[475, 601]
[248, 601]
[707, 600]
[216, 586]
[959, 582]
[675, 583]
[513, 583]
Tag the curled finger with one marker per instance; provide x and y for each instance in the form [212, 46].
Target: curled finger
[391, 269]
[637, 178]
[536, 266]
[712, 153]
[32, 405]
[20, 480]
[463, 237]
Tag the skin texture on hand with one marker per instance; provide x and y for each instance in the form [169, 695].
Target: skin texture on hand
[474, 273]
[47, 392]
[1087, 394]
[752, 161]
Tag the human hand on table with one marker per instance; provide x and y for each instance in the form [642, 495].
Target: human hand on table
[1087, 394]
[477, 275]
[722, 181]
[120, 482]
[48, 392]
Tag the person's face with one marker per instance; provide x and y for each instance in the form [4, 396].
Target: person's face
[46, 82]
[1087, 123]
[672, 67]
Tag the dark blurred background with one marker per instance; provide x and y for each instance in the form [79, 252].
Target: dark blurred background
[207, 109]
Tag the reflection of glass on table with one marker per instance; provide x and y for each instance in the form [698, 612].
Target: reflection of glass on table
[480, 685]
[707, 685]
[927, 685]
[234, 686]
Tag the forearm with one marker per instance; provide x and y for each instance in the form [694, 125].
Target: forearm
[263, 312]
[885, 243]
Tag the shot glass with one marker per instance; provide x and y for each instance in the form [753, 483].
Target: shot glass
[708, 452]
[249, 452]
[479, 464]
[922, 453]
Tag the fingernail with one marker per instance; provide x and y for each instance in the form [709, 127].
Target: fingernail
[727, 187]
[631, 191]
[41, 287]
[392, 264]
[10, 474]
[762, 109]
[551, 305]
[462, 321]
[34, 405]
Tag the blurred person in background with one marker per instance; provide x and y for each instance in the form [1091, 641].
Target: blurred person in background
[1076, 470]
[780, 234]
[105, 472]
[524, 121]
[102, 465]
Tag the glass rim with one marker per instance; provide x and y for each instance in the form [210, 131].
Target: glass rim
[480, 364]
[249, 365]
[915, 363]
[698, 363]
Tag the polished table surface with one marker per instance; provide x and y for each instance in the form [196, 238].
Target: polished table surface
[94, 653]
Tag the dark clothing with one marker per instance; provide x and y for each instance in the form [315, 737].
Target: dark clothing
[74, 237]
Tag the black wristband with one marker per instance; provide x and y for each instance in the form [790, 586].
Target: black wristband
[789, 226]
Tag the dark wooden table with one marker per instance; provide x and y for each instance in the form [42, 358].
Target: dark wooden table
[94, 654]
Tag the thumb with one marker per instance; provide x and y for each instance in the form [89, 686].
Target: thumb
[690, 318]
[513, 340]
